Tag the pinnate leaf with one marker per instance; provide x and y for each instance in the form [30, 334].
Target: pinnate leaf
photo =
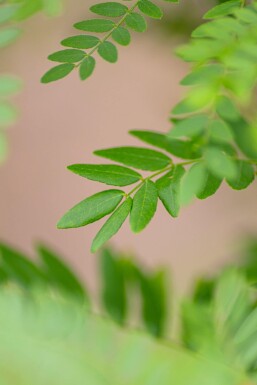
[67, 56]
[112, 225]
[121, 35]
[57, 73]
[80, 41]
[245, 175]
[144, 206]
[210, 186]
[91, 209]
[222, 9]
[138, 157]
[150, 9]
[110, 9]
[136, 22]
[108, 52]
[219, 163]
[95, 25]
[87, 67]
[192, 183]
[110, 174]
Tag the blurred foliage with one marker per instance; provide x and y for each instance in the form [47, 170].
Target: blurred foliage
[50, 338]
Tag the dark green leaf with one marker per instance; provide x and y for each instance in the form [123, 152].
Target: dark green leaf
[59, 274]
[86, 68]
[108, 52]
[95, 25]
[144, 206]
[136, 22]
[138, 157]
[108, 173]
[245, 175]
[80, 41]
[179, 148]
[110, 9]
[91, 209]
[113, 286]
[57, 73]
[67, 56]
[121, 36]
[211, 185]
[150, 9]
[169, 190]
[112, 225]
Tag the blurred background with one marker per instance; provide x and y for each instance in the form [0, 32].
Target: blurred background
[64, 122]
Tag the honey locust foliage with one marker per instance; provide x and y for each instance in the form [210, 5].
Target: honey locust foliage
[211, 135]
[112, 27]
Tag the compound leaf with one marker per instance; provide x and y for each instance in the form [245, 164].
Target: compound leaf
[110, 9]
[150, 9]
[80, 41]
[108, 52]
[57, 73]
[87, 67]
[95, 25]
[121, 35]
[67, 56]
[136, 22]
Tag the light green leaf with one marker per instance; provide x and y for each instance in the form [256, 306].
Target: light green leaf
[80, 41]
[57, 73]
[245, 175]
[95, 25]
[192, 183]
[227, 109]
[7, 12]
[8, 114]
[169, 190]
[210, 186]
[108, 52]
[91, 209]
[144, 206]
[220, 164]
[110, 9]
[59, 275]
[220, 131]
[150, 9]
[189, 127]
[179, 148]
[8, 36]
[107, 173]
[121, 36]
[205, 74]
[138, 157]
[112, 225]
[67, 56]
[136, 22]
[222, 9]
[86, 68]
[9, 85]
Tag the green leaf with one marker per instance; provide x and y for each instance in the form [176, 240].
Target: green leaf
[136, 22]
[144, 206]
[220, 164]
[113, 290]
[108, 52]
[169, 190]
[107, 173]
[121, 36]
[222, 9]
[211, 185]
[227, 109]
[245, 175]
[8, 114]
[95, 25]
[67, 56]
[8, 36]
[189, 127]
[80, 41]
[138, 157]
[57, 73]
[150, 9]
[112, 225]
[7, 12]
[9, 85]
[179, 148]
[91, 209]
[59, 275]
[19, 268]
[205, 74]
[110, 9]
[154, 301]
[86, 68]
[192, 183]
[220, 131]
